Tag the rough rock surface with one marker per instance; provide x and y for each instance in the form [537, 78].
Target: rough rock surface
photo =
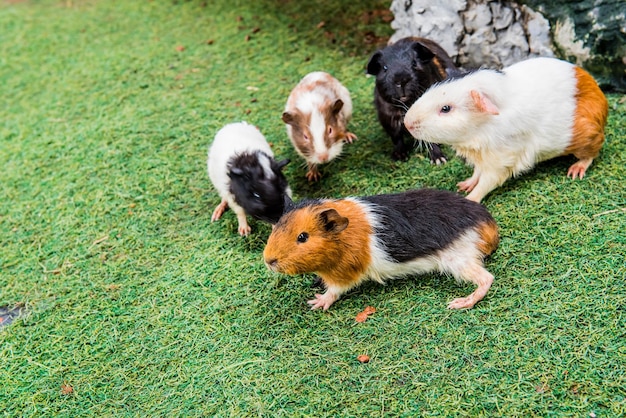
[498, 33]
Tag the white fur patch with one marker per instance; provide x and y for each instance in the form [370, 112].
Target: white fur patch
[318, 131]
[265, 163]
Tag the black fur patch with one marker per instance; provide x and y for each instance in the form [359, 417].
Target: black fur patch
[421, 222]
[260, 196]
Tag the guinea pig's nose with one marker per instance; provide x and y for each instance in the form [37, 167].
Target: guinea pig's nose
[272, 263]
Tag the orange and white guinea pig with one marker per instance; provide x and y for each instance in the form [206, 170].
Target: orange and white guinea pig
[505, 122]
[347, 241]
[316, 115]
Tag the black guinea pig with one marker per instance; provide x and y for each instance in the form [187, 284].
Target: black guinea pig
[404, 71]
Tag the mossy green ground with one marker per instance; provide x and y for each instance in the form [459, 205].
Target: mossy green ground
[143, 307]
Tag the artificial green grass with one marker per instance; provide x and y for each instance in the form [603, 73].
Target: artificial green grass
[144, 307]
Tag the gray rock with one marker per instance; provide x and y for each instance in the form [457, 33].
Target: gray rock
[590, 33]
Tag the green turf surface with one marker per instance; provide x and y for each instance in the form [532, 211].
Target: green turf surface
[138, 305]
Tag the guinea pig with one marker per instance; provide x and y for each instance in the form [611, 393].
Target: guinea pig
[347, 241]
[242, 168]
[505, 122]
[404, 70]
[316, 115]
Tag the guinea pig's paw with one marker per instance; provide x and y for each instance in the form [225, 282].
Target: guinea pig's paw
[467, 185]
[322, 301]
[462, 303]
[350, 137]
[219, 211]
[436, 156]
[439, 161]
[313, 175]
[579, 168]
[244, 230]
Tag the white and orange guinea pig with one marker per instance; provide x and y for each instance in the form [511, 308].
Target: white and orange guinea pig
[505, 122]
[347, 241]
[316, 116]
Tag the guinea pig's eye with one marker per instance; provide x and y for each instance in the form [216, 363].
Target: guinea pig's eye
[445, 109]
[385, 67]
[330, 130]
[306, 137]
[256, 195]
[303, 237]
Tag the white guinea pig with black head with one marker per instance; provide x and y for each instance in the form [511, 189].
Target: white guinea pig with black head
[242, 168]
[316, 115]
[505, 122]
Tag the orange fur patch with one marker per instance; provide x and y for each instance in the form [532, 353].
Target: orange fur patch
[489, 237]
[590, 117]
[352, 255]
[441, 68]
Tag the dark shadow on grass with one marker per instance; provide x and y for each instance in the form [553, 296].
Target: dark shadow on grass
[9, 314]
[351, 27]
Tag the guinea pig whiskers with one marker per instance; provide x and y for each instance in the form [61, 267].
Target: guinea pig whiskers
[401, 105]
[421, 144]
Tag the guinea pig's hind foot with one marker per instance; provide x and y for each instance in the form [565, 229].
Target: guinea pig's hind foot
[219, 210]
[579, 168]
[479, 276]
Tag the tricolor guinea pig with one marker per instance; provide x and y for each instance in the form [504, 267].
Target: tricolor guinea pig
[348, 241]
[316, 116]
[242, 168]
[505, 122]
[404, 70]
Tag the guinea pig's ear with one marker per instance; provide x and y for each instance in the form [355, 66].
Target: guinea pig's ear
[483, 104]
[290, 118]
[288, 203]
[235, 171]
[423, 52]
[337, 106]
[332, 221]
[281, 164]
[374, 65]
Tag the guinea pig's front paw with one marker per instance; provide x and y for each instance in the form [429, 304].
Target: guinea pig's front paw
[313, 175]
[436, 155]
[244, 230]
[322, 301]
[350, 137]
[467, 185]
[219, 210]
